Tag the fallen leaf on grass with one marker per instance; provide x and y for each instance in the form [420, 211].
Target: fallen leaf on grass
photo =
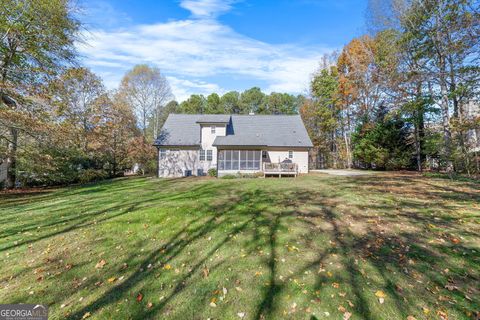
[241, 315]
[139, 297]
[411, 318]
[335, 285]
[213, 302]
[167, 267]
[347, 315]
[149, 305]
[112, 280]
[205, 272]
[381, 296]
[86, 315]
[100, 264]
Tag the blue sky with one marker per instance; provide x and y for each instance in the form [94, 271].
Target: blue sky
[205, 46]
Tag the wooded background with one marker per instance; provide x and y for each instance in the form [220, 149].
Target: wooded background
[403, 96]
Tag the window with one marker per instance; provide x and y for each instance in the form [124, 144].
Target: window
[290, 154]
[202, 155]
[163, 153]
[209, 155]
[200, 172]
[213, 128]
[188, 173]
[239, 159]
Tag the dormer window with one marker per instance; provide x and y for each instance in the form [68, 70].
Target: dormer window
[213, 128]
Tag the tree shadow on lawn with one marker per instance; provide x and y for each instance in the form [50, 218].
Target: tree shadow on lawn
[408, 265]
[417, 264]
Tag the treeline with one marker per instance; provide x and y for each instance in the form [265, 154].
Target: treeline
[404, 96]
[251, 100]
[58, 122]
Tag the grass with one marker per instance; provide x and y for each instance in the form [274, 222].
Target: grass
[315, 247]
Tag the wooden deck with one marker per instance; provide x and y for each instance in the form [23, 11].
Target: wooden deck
[280, 169]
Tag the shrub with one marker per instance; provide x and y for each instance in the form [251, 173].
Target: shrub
[91, 175]
[212, 172]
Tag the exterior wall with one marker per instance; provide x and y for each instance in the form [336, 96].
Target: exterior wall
[300, 157]
[207, 138]
[276, 155]
[178, 160]
[3, 171]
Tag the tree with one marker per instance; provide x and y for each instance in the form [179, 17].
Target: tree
[36, 38]
[213, 104]
[252, 100]
[195, 104]
[230, 102]
[146, 90]
[445, 34]
[383, 142]
[116, 130]
[75, 94]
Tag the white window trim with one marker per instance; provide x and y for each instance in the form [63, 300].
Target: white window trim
[209, 155]
[290, 154]
[202, 154]
[213, 129]
[163, 153]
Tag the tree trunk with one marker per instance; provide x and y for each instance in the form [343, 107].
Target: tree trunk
[444, 105]
[12, 159]
[418, 149]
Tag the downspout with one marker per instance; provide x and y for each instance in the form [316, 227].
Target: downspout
[158, 161]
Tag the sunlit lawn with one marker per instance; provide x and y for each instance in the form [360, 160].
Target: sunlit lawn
[385, 246]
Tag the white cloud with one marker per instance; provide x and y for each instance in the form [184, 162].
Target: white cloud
[183, 88]
[206, 8]
[194, 50]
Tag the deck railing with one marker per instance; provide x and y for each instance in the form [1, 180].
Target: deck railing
[278, 168]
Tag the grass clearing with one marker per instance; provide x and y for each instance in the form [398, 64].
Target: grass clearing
[384, 246]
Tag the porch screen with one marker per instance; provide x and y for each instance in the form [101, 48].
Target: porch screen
[239, 159]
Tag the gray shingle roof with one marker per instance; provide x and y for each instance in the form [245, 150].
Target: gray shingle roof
[242, 130]
[214, 118]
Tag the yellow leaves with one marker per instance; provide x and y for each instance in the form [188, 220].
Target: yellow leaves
[426, 310]
[258, 273]
[205, 272]
[167, 267]
[292, 248]
[100, 264]
[329, 274]
[381, 296]
[112, 279]
[86, 315]
[213, 302]
[335, 285]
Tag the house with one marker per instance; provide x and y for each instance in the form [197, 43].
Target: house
[3, 172]
[193, 144]
[472, 113]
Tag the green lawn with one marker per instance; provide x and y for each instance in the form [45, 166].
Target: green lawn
[385, 246]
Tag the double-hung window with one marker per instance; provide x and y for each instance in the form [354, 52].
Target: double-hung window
[202, 155]
[163, 153]
[209, 155]
[290, 154]
[213, 129]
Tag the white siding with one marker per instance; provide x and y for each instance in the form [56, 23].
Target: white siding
[300, 157]
[177, 161]
[207, 138]
[3, 171]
